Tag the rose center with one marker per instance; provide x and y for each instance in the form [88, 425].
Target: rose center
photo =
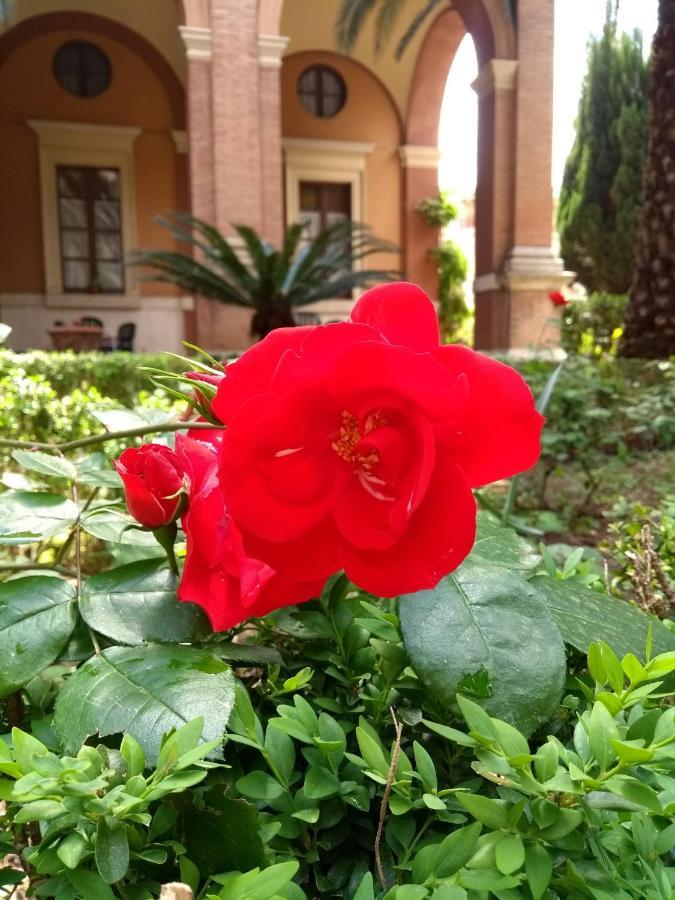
[350, 436]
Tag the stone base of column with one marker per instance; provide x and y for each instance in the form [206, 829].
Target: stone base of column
[513, 309]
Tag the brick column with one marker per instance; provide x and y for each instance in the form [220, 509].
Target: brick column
[236, 124]
[198, 49]
[533, 269]
[420, 182]
[270, 49]
[495, 86]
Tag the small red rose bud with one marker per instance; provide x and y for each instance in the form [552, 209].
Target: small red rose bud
[154, 484]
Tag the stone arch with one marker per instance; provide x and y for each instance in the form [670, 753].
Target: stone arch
[37, 25]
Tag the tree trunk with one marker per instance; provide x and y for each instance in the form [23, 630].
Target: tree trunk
[266, 320]
[650, 320]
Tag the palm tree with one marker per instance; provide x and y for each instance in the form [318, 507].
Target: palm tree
[650, 321]
[270, 281]
[352, 15]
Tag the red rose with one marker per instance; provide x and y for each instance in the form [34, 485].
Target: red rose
[218, 575]
[557, 299]
[355, 445]
[154, 482]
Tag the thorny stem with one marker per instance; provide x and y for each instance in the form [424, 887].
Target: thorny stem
[159, 428]
[398, 727]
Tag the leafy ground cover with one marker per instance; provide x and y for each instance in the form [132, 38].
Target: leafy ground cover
[509, 734]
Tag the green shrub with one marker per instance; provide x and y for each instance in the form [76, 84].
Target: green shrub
[594, 326]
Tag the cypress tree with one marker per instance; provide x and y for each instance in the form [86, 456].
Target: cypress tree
[601, 193]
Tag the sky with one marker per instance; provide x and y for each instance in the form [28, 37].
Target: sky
[574, 21]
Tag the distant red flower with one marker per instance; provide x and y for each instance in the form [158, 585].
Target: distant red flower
[154, 482]
[557, 299]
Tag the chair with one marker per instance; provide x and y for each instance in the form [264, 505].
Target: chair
[91, 321]
[125, 337]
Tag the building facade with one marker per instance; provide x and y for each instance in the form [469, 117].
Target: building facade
[116, 111]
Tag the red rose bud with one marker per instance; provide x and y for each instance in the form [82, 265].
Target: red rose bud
[557, 299]
[154, 484]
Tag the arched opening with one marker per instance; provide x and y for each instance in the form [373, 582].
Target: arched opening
[458, 153]
[85, 174]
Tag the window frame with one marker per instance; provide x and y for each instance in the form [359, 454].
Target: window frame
[92, 231]
[320, 93]
[82, 75]
[103, 147]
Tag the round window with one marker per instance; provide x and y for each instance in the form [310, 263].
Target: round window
[322, 91]
[82, 69]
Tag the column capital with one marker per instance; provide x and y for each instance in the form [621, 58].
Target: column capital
[418, 156]
[180, 140]
[496, 75]
[198, 42]
[271, 50]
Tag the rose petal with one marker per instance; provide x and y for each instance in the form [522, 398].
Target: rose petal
[251, 374]
[368, 373]
[279, 474]
[500, 433]
[402, 312]
[440, 535]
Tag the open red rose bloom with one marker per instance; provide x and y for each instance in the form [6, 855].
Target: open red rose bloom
[348, 446]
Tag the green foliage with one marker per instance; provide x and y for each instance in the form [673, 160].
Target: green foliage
[333, 761]
[594, 326]
[452, 273]
[271, 281]
[52, 396]
[438, 212]
[601, 193]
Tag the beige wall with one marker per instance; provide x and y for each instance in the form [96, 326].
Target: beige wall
[368, 116]
[310, 25]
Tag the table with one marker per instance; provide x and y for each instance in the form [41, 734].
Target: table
[76, 337]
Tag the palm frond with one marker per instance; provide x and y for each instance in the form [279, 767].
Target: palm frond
[387, 15]
[415, 26]
[350, 19]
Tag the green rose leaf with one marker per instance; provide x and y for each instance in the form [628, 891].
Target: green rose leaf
[224, 834]
[484, 631]
[45, 463]
[30, 516]
[110, 525]
[136, 604]
[502, 546]
[37, 617]
[146, 691]
[584, 616]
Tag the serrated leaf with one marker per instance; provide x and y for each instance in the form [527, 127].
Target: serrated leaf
[45, 463]
[487, 618]
[584, 616]
[224, 835]
[137, 604]
[30, 516]
[37, 617]
[146, 691]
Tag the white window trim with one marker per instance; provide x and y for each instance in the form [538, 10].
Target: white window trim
[101, 146]
[341, 162]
